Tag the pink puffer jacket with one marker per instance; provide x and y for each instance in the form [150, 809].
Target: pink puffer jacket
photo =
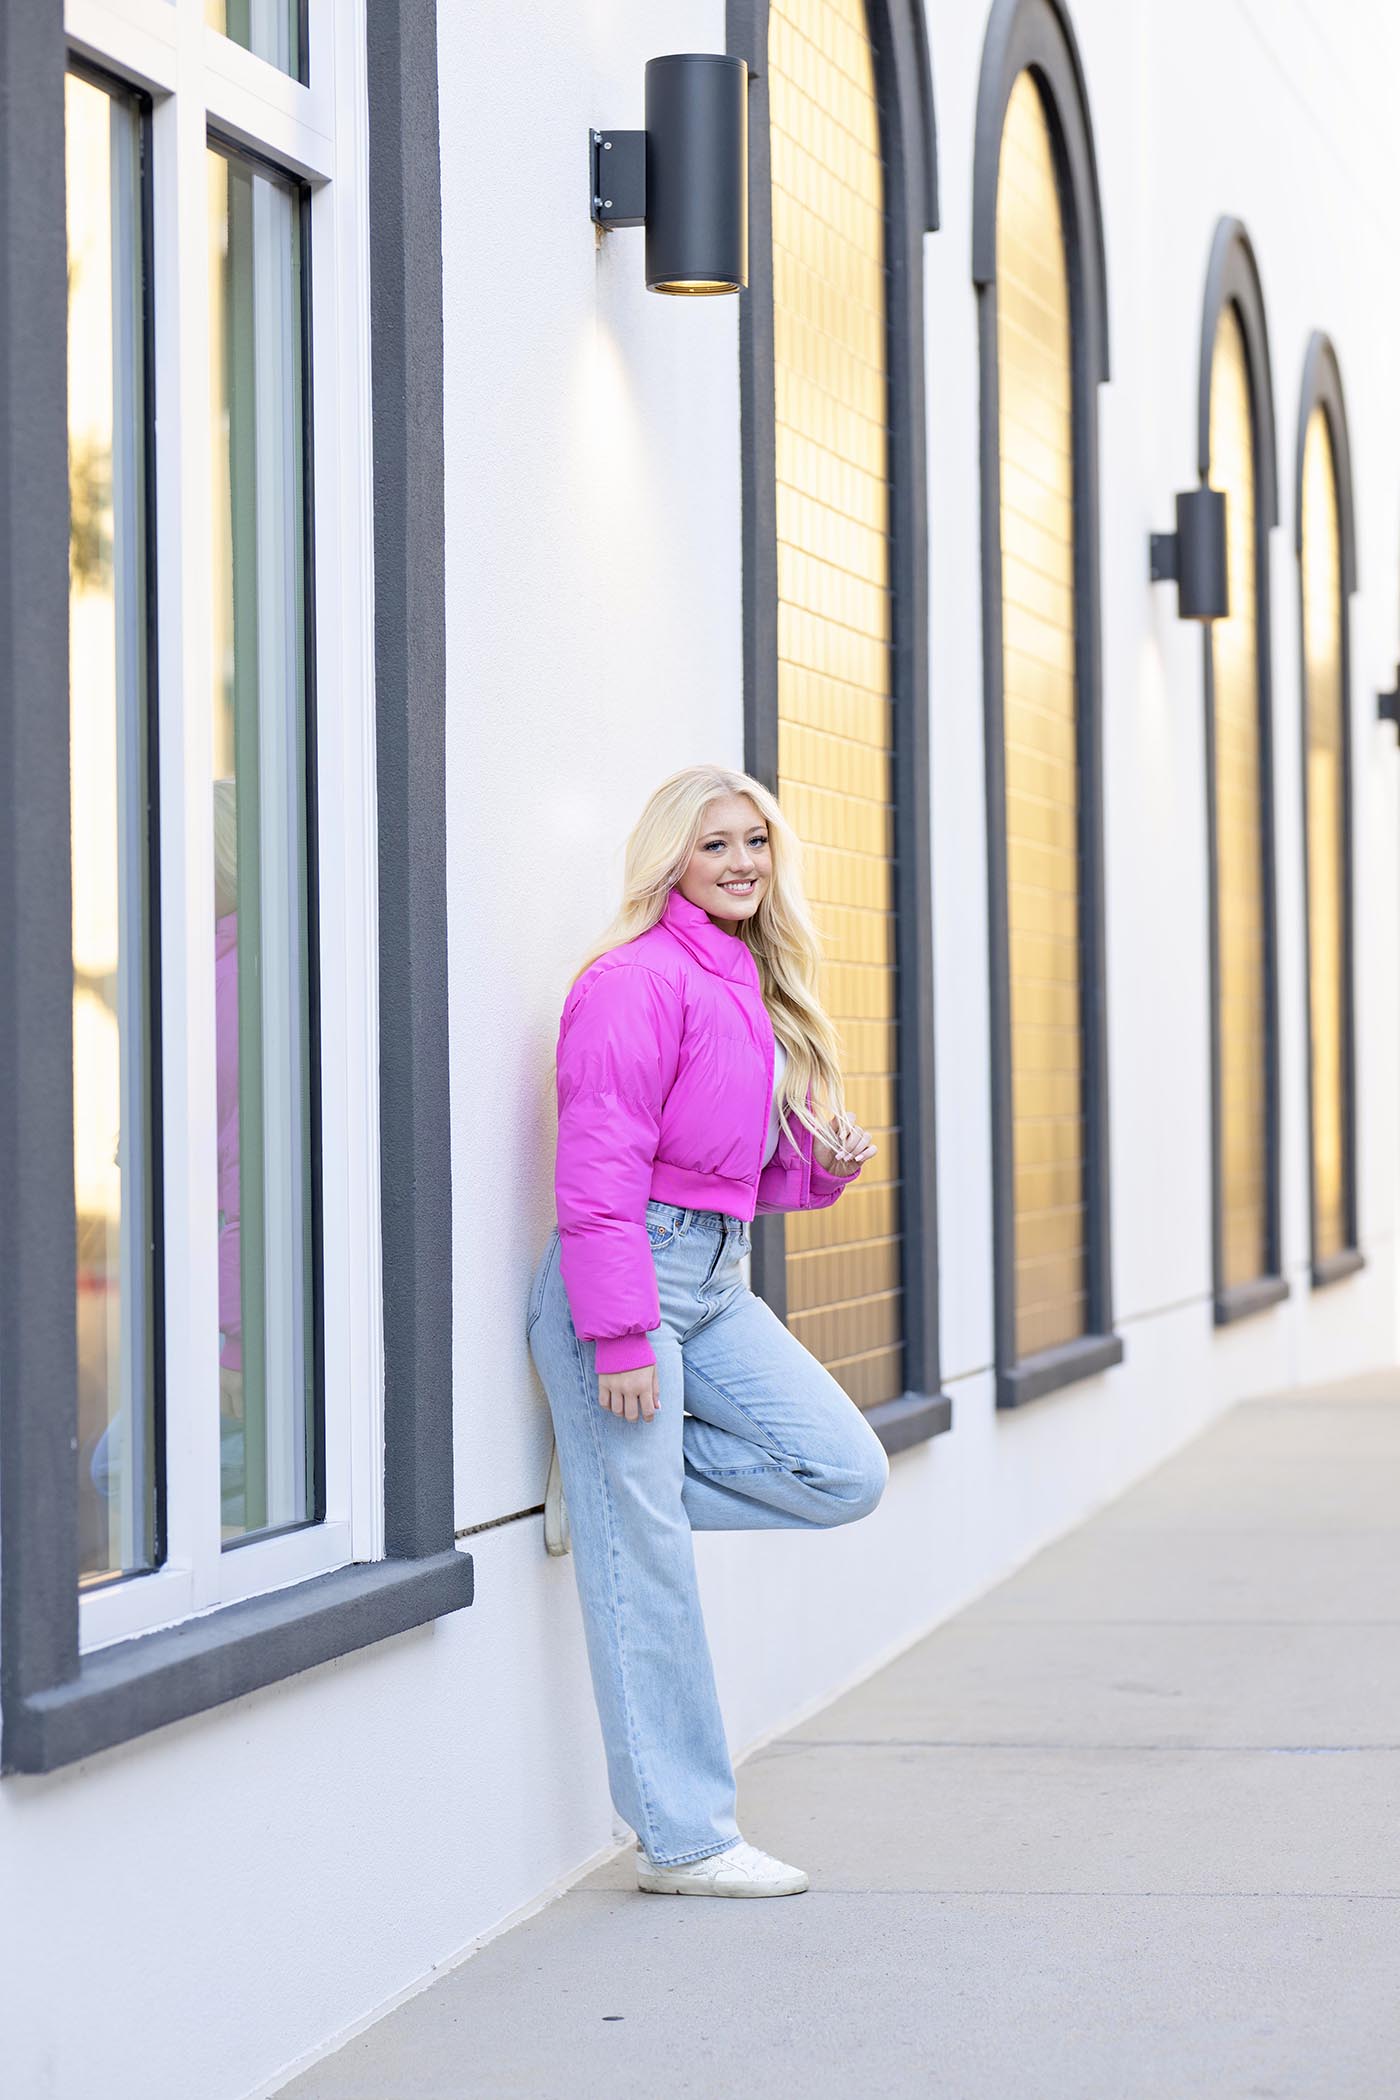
[664, 1073]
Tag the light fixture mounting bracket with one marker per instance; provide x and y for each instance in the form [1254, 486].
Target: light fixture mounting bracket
[617, 177]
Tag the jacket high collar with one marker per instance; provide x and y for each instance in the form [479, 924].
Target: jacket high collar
[727, 954]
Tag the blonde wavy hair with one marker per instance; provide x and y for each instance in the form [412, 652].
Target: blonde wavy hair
[783, 940]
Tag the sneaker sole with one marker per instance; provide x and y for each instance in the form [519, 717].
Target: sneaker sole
[556, 1516]
[668, 1885]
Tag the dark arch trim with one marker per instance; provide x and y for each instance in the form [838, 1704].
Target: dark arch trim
[1232, 279]
[1322, 386]
[1037, 33]
[1232, 275]
[904, 82]
[904, 92]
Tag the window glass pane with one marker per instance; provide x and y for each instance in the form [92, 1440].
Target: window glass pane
[1040, 709]
[1323, 612]
[836, 715]
[1241, 933]
[263, 934]
[108, 707]
[270, 29]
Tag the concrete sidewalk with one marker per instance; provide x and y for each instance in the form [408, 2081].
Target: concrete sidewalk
[1128, 1828]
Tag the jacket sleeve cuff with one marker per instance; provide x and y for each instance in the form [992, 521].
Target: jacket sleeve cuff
[829, 1186]
[623, 1352]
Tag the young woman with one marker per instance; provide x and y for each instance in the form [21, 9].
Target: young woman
[691, 1053]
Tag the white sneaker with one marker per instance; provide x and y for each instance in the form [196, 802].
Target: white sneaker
[740, 1870]
[556, 1515]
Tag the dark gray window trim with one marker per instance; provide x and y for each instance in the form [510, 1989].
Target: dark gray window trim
[1232, 279]
[1322, 386]
[904, 90]
[1037, 34]
[59, 1705]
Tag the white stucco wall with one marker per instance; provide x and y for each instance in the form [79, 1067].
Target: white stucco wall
[198, 1911]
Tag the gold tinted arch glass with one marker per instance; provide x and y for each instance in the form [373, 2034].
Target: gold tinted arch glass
[1040, 731]
[1323, 610]
[835, 704]
[1239, 825]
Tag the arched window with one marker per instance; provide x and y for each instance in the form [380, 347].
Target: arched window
[1039, 269]
[1236, 453]
[1326, 543]
[835, 601]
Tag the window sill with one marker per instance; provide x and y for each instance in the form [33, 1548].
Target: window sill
[1035, 1376]
[1333, 1267]
[127, 1689]
[1243, 1299]
[155, 1600]
[911, 1419]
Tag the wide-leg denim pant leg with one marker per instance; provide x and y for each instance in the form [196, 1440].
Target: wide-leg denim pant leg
[753, 1433]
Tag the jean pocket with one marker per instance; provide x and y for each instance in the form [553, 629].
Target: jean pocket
[660, 1232]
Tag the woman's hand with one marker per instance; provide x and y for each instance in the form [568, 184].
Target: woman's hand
[848, 1151]
[630, 1393]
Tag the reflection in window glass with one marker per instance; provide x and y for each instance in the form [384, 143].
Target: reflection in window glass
[270, 29]
[109, 780]
[262, 932]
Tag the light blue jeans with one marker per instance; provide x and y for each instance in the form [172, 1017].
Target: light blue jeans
[767, 1440]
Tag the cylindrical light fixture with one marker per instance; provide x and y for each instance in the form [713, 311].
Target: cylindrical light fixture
[697, 173]
[1194, 556]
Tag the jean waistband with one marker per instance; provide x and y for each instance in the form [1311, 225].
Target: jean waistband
[687, 1220]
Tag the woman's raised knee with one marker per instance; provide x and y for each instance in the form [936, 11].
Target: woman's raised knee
[853, 1489]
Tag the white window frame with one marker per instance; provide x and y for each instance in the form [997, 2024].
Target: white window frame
[198, 81]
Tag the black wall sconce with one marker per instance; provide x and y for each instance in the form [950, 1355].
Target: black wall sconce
[685, 177]
[1193, 557]
[1388, 704]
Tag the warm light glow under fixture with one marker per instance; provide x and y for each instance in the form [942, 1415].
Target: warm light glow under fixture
[685, 177]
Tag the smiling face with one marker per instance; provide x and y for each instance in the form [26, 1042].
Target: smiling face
[732, 851]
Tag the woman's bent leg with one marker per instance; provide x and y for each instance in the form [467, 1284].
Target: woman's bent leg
[773, 1440]
[669, 1768]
